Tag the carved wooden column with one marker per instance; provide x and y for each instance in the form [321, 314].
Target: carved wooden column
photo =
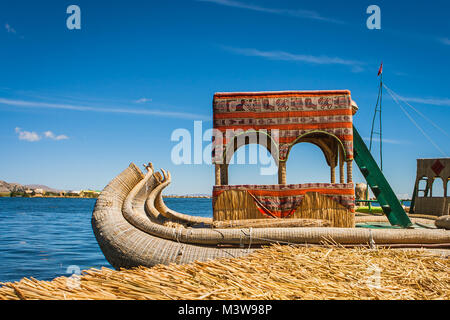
[341, 166]
[224, 174]
[218, 177]
[281, 172]
[349, 171]
[431, 186]
[445, 187]
[333, 174]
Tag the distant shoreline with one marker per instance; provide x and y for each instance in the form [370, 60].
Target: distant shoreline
[95, 197]
[188, 196]
[63, 197]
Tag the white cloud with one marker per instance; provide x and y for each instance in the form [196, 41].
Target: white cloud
[143, 100]
[34, 104]
[10, 29]
[389, 141]
[27, 135]
[51, 135]
[445, 41]
[400, 73]
[432, 101]
[32, 136]
[298, 13]
[286, 56]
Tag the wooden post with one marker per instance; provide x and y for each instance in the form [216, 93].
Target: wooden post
[224, 174]
[218, 177]
[281, 172]
[431, 186]
[341, 166]
[445, 187]
[427, 188]
[349, 171]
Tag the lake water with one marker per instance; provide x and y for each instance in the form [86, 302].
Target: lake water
[49, 237]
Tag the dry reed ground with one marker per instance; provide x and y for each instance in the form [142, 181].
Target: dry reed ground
[275, 272]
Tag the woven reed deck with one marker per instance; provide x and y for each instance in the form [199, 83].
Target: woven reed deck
[275, 272]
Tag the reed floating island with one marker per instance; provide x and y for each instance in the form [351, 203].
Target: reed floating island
[275, 272]
[134, 227]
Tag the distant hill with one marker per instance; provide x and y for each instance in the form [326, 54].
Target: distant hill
[6, 187]
[11, 187]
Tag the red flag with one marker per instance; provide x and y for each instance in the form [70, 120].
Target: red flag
[380, 71]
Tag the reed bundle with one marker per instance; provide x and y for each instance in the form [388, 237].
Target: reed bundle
[275, 272]
[383, 218]
[318, 206]
[239, 205]
[173, 224]
[236, 205]
[443, 222]
[271, 223]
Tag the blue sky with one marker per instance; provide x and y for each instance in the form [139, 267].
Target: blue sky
[77, 106]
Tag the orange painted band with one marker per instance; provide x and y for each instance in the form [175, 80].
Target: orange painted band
[295, 192]
[291, 139]
[289, 126]
[281, 193]
[285, 114]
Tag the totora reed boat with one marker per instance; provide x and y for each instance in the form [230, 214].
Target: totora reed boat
[134, 227]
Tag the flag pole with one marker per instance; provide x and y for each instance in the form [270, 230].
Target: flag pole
[378, 109]
[380, 133]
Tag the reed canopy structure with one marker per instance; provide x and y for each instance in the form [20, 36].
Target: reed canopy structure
[134, 227]
[278, 121]
[429, 173]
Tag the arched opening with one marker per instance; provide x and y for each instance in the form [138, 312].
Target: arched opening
[250, 137]
[252, 164]
[422, 187]
[307, 164]
[316, 161]
[446, 188]
[251, 154]
[437, 188]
